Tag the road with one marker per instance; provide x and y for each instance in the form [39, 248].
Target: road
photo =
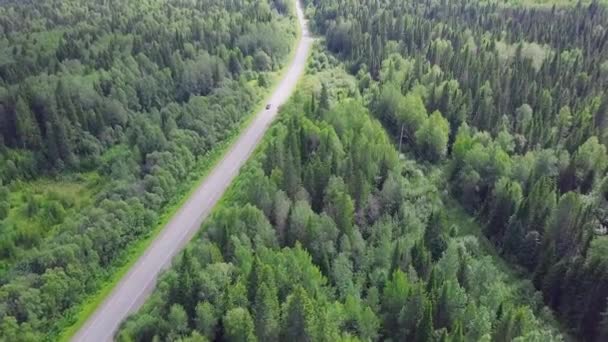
[135, 287]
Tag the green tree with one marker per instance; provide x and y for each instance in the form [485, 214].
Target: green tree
[4, 209]
[411, 313]
[27, 127]
[342, 274]
[300, 220]
[206, 319]
[413, 113]
[262, 82]
[421, 259]
[184, 291]
[435, 235]
[194, 337]
[432, 138]
[338, 205]
[262, 61]
[394, 298]
[590, 162]
[266, 312]
[505, 202]
[4, 201]
[298, 319]
[238, 326]
[424, 329]
[323, 98]
[178, 322]
[513, 324]
[401, 113]
[457, 333]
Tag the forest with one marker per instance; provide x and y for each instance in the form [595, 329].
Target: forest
[109, 110]
[440, 176]
[328, 235]
[511, 103]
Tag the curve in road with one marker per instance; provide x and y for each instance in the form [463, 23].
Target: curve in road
[132, 291]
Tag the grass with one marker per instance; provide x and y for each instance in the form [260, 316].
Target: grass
[31, 218]
[135, 251]
[467, 225]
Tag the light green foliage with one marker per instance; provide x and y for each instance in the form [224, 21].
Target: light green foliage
[178, 320]
[478, 162]
[33, 209]
[390, 103]
[239, 326]
[407, 112]
[338, 205]
[206, 320]
[590, 162]
[412, 113]
[536, 53]
[395, 69]
[432, 138]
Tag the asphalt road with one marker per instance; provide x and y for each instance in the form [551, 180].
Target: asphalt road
[133, 290]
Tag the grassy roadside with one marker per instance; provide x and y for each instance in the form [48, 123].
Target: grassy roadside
[136, 250]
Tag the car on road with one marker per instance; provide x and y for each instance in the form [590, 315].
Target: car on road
[268, 106]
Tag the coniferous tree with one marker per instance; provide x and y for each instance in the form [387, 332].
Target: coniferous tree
[424, 330]
[266, 313]
[298, 318]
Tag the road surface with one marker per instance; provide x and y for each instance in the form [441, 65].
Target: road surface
[132, 291]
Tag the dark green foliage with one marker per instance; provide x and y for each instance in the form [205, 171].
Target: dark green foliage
[298, 322]
[331, 269]
[524, 97]
[80, 89]
[4, 209]
[505, 202]
[435, 235]
[136, 93]
[266, 312]
[329, 235]
[424, 330]
[4, 202]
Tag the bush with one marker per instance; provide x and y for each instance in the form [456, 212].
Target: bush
[54, 212]
[4, 209]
